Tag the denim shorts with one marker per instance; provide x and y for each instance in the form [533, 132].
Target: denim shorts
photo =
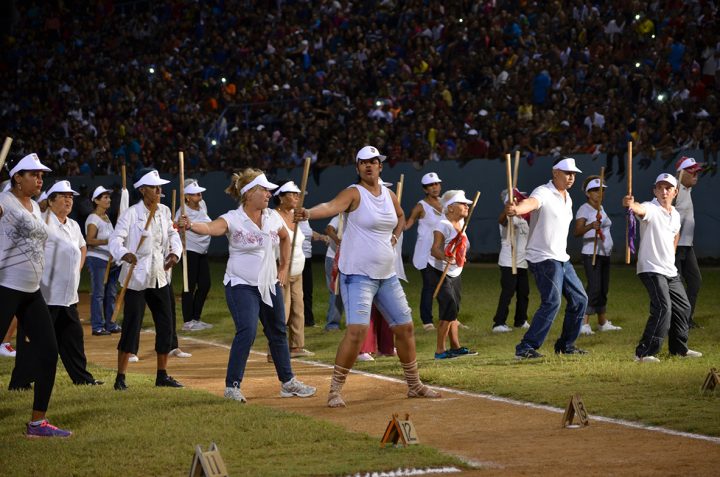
[360, 292]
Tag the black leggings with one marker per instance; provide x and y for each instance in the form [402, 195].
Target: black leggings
[198, 285]
[42, 350]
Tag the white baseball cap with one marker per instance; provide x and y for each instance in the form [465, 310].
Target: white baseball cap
[31, 162]
[458, 196]
[289, 186]
[152, 178]
[567, 165]
[594, 184]
[61, 187]
[368, 152]
[261, 181]
[688, 164]
[192, 187]
[665, 177]
[99, 190]
[430, 178]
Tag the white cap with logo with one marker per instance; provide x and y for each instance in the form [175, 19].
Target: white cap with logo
[61, 187]
[99, 190]
[665, 177]
[152, 178]
[430, 178]
[567, 165]
[31, 162]
[368, 152]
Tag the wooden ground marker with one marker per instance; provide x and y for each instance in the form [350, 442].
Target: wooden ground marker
[575, 407]
[208, 463]
[400, 432]
[711, 381]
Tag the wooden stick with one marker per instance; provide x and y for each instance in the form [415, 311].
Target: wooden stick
[629, 192]
[341, 225]
[5, 151]
[172, 209]
[121, 296]
[303, 185]
[181, 157]
[599, 208]
[462, 231]
[399, 189]
[516, 169]
[511, 225]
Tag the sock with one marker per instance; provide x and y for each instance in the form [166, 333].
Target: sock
[338, 379]
[161, 373]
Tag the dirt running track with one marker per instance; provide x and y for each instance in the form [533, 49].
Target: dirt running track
[500, 438]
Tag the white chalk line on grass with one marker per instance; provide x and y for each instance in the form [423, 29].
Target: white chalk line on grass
[490, 397]
[404, 472]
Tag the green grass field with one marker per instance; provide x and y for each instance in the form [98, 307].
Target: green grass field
[610, 382]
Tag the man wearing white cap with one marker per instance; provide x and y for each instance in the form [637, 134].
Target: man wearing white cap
[547, 257]
[685, 259]
[23, 231]
[198, 267]
[427, 213]
[140, 241]
[669, 305]
[64, 256]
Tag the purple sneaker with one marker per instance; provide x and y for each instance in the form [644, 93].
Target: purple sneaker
[45, 429]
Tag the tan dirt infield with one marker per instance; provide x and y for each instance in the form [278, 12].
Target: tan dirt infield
[500, 438]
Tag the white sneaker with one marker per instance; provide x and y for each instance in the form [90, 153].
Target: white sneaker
[525, 326]
[133, 358]
[296, 388]
[462, 326]
[608, 326]
[365, 357]
[202, 325]
[428, 327]
[190, 326]
[178, 353]
[501, 329]
[587, 330]
[7, 351]
[692, 354]
[235, 394]
[646, 359]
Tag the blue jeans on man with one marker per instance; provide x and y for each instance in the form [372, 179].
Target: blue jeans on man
[245, 306]
[102, 295]
[554, 280]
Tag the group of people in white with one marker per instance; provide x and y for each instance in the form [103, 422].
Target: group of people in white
[263, 276]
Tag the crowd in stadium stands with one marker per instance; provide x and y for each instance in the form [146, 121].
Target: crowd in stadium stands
[267, 83]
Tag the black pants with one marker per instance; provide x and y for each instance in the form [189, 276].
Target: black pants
[71, 346]
[307, 277]
[513, 285]
[669, 315]
[449, 294]
[35, 322]
[688, 269]
[598, 282]
[161, 306]
[198, 286]
[426, 294]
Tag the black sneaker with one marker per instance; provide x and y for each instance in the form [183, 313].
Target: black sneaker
[529, 354]
[167, 382]
[571, 350]
[463, 351]
[120, 385]
[101, 332]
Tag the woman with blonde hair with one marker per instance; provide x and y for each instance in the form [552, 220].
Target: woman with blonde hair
[253, 279]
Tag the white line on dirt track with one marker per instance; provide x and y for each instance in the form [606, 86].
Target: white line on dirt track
[490, 397]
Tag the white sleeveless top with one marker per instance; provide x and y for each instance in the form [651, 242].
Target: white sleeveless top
[424, 242]
[366, 247]
[297, 255]
[104, 230]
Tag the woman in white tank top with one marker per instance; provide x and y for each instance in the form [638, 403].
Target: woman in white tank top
[427, 213]
[367, 271]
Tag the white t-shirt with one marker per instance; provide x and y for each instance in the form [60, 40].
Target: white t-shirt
[366, 247]
[248, 246]
[446, 228]
[424, 241]
[684, 206]
[104, 230]
[195, 242]
[22, 244]
[549, 225]
[61, 276]
[589, 213]
[521, 237]
[658, 229]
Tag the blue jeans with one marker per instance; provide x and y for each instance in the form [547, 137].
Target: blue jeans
[360, 292]
[555, 279]
[335, 304]
[102, 296]
[245, 306]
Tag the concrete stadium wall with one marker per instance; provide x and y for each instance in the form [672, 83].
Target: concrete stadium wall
[488, 177]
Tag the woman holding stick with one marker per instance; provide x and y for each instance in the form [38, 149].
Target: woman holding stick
[141, 236]
[593, 224]
[367, 271]
[98, 229]
[253, 279]
[449, 247]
